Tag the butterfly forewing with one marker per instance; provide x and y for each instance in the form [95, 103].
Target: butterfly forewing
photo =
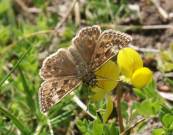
[58, 65]
[53, 90]
[60, 78]
[108, 45]
[85, 42]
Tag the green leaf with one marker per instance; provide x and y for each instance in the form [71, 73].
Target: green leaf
[152, 103]
[92, 109]
[111, 129]
[24, 130]
[4, 35]
[150, 90]
[165, 109]
[165, 60]
[158, 131]
[147, 92]
[124, 109]
[139, 93]
[4, 5]
[167, 120]
[149, 107]
[83, 125]
[168, 66]
[170, 81]
[97, 127]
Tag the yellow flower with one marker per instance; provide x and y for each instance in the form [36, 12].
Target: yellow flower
[107, 77]
[131, 66]
[129, 60]
[109, 108]
[141, 77]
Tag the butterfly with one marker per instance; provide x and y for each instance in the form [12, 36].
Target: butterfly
[66, 69]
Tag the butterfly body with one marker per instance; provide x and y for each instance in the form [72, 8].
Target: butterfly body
[89, 79]
[67, 68]
[84, 69]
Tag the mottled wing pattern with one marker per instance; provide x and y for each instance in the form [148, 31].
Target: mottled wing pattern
[108, 45]
[58, 65]
[61, 71]
[85, 42]
[60, 78]
[53, 90]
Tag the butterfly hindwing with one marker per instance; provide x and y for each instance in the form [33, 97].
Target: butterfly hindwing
[108, 45]
[53, 90]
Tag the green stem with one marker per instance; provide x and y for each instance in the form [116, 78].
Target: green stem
[120, 118]
[50, 127]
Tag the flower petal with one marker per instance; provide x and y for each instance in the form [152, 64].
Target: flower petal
[141, 77]
[129, 60]
[107, 76]
[99, 94]
[109, 108]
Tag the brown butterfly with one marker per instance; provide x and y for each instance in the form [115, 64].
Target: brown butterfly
[66, 69]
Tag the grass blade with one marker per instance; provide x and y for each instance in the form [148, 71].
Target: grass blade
[15, 66]
[24, 130]
[27, 91]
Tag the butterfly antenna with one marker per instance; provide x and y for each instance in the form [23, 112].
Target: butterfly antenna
[99, 86]
[103, 78]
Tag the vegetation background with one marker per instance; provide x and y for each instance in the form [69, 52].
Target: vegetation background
[30, 30]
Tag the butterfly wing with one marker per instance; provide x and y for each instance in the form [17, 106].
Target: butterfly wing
[60, 72]
[60, 78]
[85, 42]
[53, 90]
[108, 44]
[58, 65]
